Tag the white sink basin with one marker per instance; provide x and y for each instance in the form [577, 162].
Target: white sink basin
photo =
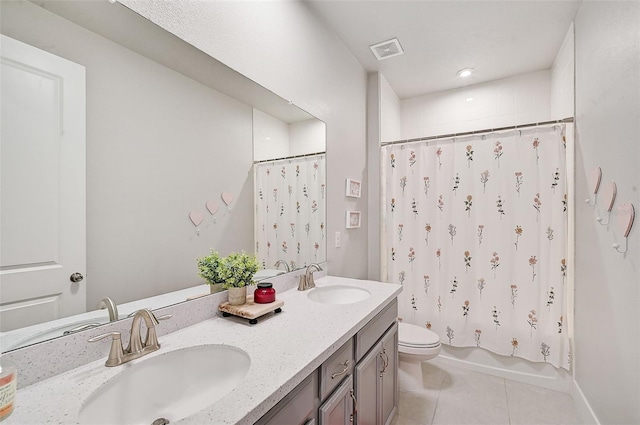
[171, 386]
[338, 294]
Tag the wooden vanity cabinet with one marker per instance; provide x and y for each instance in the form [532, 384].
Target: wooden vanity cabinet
[376, 381]
[338, 409]
[360, 376]
[299, 407]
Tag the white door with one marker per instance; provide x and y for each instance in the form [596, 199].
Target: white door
[42, 186]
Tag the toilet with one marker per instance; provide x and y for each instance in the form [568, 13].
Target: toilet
[415, 345]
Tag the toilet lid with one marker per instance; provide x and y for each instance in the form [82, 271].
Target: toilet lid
[414, 336]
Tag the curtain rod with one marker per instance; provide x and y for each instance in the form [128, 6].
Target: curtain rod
[289, 157]
[469, 133]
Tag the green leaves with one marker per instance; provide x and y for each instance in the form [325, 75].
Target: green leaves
[233, 271]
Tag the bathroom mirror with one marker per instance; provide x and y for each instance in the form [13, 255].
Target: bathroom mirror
[169, 138]
[290, 191]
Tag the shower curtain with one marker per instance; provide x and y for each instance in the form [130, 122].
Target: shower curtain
[476, 232]
[290, 211]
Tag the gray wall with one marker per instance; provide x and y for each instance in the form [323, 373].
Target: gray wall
[607, 313]
[158, 146]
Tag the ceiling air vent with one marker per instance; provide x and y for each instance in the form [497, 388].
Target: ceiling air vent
[387, 49]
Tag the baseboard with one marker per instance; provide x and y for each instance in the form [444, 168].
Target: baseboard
[582, 406]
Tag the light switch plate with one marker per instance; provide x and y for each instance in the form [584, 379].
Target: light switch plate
[337, 240]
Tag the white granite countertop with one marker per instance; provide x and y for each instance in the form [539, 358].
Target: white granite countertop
[284, 349]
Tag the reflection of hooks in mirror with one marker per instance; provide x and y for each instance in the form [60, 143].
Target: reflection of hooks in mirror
[610, 198]
[196, 218]
[596, 176]
[626, 213]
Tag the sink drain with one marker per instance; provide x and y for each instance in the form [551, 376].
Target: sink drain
[160, 421]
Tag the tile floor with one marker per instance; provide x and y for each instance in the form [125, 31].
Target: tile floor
[456, 396]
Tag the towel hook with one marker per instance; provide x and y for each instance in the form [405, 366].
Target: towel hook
[610, 198]
[596, 176]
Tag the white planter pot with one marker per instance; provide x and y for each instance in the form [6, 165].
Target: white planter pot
[238, 296]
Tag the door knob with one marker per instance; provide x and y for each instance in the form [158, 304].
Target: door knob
[76, 277]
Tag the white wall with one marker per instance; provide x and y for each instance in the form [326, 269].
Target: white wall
[157, 148]
[284, 47]
[607, 295]
[270, 137]
[390, 117]
[562, 79]
[520, 99]
[307, 137]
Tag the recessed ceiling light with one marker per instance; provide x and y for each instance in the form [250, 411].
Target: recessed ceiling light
[469, 99]
[465, 72]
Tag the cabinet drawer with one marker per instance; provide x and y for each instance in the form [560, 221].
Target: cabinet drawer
[371, 333]
[336, 368]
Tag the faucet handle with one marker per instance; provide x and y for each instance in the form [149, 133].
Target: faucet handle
[302, 282]
[116, 352]
[152, 337]
[311, 283]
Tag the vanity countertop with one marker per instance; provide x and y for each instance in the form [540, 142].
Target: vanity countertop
[284, 349]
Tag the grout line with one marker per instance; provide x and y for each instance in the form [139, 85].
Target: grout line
[506, 396]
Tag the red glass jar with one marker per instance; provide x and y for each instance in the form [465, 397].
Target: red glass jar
[265, 293]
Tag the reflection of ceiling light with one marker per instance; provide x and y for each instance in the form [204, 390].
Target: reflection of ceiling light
[465, 72]
[469, 99]
[268, 138]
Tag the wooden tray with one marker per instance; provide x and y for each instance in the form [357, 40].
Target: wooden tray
[250, 310]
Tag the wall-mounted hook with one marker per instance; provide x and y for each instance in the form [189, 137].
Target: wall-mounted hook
[626, 214]
[616, 246]
[609, 198]
[596, 176]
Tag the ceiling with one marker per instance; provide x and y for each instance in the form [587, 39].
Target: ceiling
[497, 38]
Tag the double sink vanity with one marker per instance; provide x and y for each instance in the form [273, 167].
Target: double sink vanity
[332, 351]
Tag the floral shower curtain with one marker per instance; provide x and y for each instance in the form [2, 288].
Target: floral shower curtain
[476, 232]
[290, 211]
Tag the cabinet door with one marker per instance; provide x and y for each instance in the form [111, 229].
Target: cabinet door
[297, 407]
[368, 387]
[389, 386]
[338, 409]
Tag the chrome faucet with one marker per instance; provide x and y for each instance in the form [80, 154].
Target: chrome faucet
[286, 265]
[306, 280]
[136, 348]
[111, 307]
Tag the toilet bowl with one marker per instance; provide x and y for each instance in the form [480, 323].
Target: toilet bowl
[415, 345]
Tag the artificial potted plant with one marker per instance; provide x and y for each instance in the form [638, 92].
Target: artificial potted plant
[235, 272]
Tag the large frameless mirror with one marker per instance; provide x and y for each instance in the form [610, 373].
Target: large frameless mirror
[164, 171]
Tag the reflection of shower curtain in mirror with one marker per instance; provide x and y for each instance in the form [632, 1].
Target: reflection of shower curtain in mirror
[476, 232]
[290, 211]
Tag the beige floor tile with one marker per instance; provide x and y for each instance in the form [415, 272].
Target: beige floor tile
[401, 420]
[461, 411]
[465, 384]
[418, 406]
[432, 376]
[529, 405]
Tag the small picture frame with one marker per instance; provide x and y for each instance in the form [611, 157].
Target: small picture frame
[353, 219]
[353, 188]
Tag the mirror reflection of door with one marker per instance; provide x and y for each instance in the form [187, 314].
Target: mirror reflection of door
[42, 186]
